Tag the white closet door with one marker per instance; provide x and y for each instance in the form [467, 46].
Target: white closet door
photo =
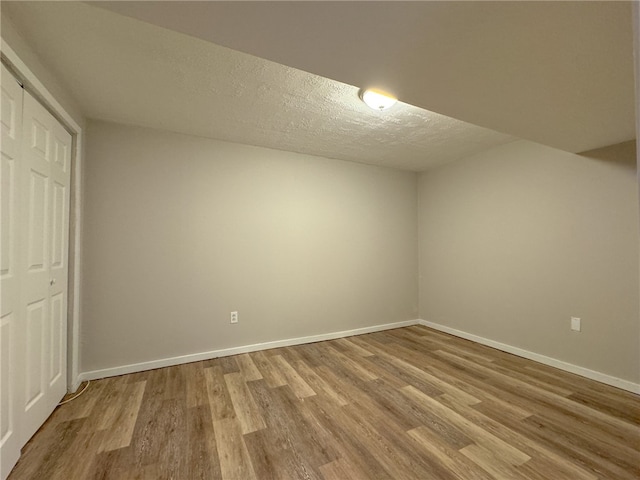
[10, 309]
[46, 151]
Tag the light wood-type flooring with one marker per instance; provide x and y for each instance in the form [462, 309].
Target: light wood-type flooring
[410, 403]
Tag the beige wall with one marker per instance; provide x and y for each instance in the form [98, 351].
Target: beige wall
[516, 240]
[181, 230]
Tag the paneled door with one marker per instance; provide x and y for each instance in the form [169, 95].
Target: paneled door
[46, 154]
[10, 306]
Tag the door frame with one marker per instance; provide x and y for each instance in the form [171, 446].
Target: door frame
[42, 94]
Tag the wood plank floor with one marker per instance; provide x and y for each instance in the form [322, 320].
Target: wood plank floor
[409, 403]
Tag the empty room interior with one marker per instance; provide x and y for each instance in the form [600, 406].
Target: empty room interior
[319, 240]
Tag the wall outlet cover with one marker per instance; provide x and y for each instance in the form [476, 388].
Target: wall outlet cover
[575, 324]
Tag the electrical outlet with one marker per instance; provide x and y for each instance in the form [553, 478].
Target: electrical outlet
[575, 324]
[234, 317]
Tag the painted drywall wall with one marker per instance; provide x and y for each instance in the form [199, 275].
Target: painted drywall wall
[182, 230]
[518, 239]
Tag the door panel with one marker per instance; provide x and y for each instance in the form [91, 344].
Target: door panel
[7, 327]
[58, 265]
[39, 139]
[35, 343]
[56, 334]
[61, 156]
[9, 435]
[10, 306]
[37, 208]
[46, 151]
[58, 227]
[7, 203]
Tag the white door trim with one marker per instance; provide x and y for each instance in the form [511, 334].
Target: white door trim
[38, 90]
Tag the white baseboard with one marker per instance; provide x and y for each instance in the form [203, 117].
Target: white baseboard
[552, 362]
[196, 357]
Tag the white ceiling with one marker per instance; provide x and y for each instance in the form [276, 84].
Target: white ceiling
[124, 70]
[561, 80]
[558, 72]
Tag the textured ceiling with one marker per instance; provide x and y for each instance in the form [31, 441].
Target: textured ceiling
[123, 70]
[559, 73]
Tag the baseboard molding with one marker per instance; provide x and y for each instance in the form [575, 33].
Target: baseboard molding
[552, 362]
[196, 357]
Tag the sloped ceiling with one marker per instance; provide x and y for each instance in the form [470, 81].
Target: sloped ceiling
[560, 73]
[124, 70]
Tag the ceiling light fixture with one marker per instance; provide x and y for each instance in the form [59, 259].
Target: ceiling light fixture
[377, 99]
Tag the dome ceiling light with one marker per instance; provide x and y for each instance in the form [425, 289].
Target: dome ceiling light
[377, 99]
